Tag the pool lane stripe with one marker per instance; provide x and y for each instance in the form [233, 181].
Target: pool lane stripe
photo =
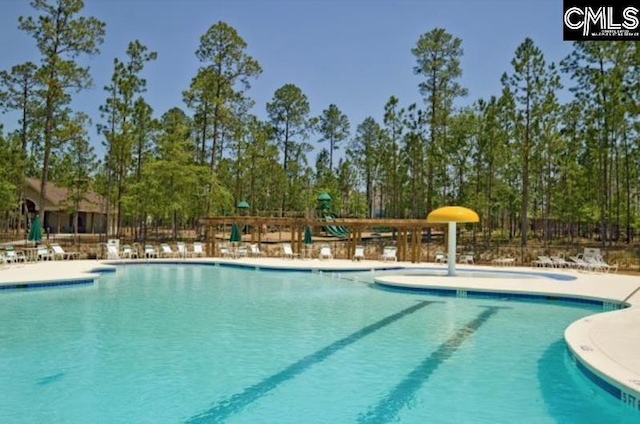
[226, 408]
[388, 408]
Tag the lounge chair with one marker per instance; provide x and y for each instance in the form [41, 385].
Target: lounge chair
[504, 261]
[389, 254]
[150, 251]
[225, 252]
[287, 252]
[593, 257]
[111, 251]
[359, 253]
[440, 258]
[586, 264]
[182, 250]
[242, 252]
[325, 252]
[543, 261]
[128, 252]
[467, 258]
[598, 264]
[167, 252]
[255, 251]
[560, 262]
[12, 256]
[44, 254]
[197, 249]
[59, 252]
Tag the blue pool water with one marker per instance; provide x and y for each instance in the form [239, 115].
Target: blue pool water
[203, 344]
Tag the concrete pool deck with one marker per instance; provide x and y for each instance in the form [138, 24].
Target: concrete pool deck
[606, 344]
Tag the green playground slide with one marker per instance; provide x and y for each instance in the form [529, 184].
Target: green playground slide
[334, 230]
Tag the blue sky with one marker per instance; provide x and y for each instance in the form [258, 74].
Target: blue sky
[354, 53]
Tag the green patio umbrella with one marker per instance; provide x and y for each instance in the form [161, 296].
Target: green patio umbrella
[235, 236]
[307, 236]
[35, 232]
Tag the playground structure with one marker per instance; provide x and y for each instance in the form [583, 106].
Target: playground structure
[408, 239]
[324, 210]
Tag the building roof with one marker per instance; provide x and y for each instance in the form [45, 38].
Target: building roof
[56, 196]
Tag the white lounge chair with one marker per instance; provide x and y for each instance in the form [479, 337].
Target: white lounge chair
[128, 252]
[287, 251]
[255, 251]
[111, 251]
[150, 251]
[560, 262]
[59, 252]
[440, 258]
[325, 252]
[242, 252]
[182, 249]
[593, 257]
[359, 253]
[598, 264]
[467, 258]
[225, 252]
[586, 264]
[44, 254]
[504, 261]
[543, 261]
[167, 252]
[389, 254]
[12, 255]
[198, 249]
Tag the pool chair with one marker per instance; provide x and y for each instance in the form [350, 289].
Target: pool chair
[198, 250]
[182, 250]
[560, 262]
[150, 251]
[287, 252]
[598, 264]
[440, 258]
[467, 258]
[359, 253]
[110, 251]
[12, 256]
[325, 252]
[167, 252]
[128, 252]
[255, 251]
[60, 253]
[504, 261]
[44, 254]
[225, 252]
[389, 254]
[242, 252]
[543, 261]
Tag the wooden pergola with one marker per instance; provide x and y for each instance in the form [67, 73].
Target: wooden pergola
[408, 238]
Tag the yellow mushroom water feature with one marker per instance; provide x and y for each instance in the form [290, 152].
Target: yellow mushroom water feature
[451, 215]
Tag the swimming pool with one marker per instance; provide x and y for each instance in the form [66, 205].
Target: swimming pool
[173, 343]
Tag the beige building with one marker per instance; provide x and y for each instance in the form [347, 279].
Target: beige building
[58, 216]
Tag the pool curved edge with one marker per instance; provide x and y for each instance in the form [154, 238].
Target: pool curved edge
[603, 346]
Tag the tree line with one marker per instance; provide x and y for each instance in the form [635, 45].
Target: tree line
[530, 165]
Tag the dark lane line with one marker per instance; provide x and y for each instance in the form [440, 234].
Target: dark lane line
[388, 408]
[226, 408]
